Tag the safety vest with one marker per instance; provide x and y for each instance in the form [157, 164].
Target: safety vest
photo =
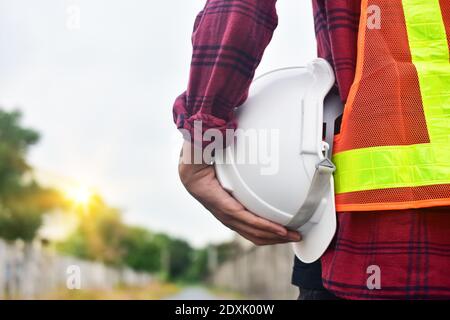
[393, 151]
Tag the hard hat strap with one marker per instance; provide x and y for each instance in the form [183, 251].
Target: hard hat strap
[320, 186]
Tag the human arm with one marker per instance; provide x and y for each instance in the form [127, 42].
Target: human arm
[229, 40]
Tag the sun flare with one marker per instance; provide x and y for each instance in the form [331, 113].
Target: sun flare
[80, 195]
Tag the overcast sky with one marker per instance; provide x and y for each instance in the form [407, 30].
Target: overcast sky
[101, 95]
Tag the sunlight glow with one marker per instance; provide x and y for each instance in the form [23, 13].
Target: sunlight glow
[80, 195]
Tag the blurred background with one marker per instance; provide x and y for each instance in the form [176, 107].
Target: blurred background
[91, 206]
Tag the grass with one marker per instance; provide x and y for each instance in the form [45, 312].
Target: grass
[226, 294]
[153, 291]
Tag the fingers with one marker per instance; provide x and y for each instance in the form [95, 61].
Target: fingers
[202, 183]
[260, 223]
[256, 229]
[256, 233]
[264, 227]
[222, 201]
[261, 242]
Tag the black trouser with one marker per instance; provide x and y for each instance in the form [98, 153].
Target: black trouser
[316, 294]
[308, 277]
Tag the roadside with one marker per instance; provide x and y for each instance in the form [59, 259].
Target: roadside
[204, 293]
[153, 291]
[195, 293]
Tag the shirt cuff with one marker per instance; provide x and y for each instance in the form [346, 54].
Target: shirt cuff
[200, 128]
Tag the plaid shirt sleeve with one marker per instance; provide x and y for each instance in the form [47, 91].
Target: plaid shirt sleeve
[229, 40]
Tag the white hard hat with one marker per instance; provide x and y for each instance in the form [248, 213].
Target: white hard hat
[299, 192]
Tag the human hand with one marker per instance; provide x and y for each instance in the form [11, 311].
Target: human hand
[201, 182]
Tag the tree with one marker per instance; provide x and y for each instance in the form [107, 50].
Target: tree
[141, 251]
[99, 236]
[22, 200]
[14, 144]
[176, 256]
[198, 270]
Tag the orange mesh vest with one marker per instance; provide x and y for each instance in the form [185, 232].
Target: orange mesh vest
[393, 151]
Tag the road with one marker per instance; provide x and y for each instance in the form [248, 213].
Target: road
[194, 293]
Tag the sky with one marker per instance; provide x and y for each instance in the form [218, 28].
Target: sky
[97, 79]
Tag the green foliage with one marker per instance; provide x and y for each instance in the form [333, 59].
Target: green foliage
[199, 267]
[102, 236]
[99, 234]
[180, 258]
[21, 213]
[76, 245]
[177, 257]
[198, 270]
[22, 200]
[14, 143]
[225, 251]
[141, 252]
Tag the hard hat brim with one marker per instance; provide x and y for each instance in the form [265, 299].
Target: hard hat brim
[318, 233]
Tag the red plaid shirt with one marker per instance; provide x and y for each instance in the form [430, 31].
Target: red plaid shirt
[410, 247]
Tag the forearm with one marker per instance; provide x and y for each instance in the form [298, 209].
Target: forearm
[229, 40]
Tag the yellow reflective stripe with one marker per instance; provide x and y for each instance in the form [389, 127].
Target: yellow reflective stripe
[392, 167]
[420, 164]
[429, 51]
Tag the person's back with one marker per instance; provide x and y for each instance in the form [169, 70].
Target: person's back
[392, 154]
